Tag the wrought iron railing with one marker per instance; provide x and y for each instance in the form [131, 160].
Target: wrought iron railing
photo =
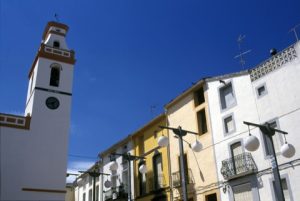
[239, 165]
[176, 178]
[157, 183]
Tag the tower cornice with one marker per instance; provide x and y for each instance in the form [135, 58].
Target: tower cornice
[48, 52]
[54, 24]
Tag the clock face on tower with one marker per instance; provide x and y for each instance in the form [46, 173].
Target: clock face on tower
[52, 103]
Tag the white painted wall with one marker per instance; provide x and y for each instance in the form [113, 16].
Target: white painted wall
[37, 158]
[282, 101]
[106, 168]
[54, 37]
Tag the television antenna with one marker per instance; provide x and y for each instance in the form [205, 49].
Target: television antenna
[295, 31]
[56, 17]
[241, 54]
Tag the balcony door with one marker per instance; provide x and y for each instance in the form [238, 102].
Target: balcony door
[237, 157]
[158, 171]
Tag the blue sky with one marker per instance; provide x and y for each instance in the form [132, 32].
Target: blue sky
[132, 55]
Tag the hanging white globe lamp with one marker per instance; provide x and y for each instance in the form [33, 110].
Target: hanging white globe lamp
[288, 150]
[196, 146]
[163, 141]
[251, 143]
[143, 168]
[113, 166]
[107, 184]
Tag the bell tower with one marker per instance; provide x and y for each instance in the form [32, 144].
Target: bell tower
[34, 149]
[51, 73]
[48, 103]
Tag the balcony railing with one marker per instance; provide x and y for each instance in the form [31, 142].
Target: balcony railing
[64, 53]
[157, 183]
[237, 166]
[116, 193]
[177, 181]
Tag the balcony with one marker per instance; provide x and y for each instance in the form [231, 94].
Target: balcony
[115, 193]
[177, 181]
[157, 183]
[238, 166]
[60, 52]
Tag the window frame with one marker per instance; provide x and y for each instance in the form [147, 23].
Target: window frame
[142, 184]
[58, 68]
[224, 124]
[220, 95]
[196, 97]
[264, 93]
[286, 177]
[280, 137]
[155, 158]
[198, 125]
[56, 42]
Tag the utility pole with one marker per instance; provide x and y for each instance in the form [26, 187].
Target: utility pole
[269, 132]
[180, 133]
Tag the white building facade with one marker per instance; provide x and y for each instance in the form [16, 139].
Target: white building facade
[33, 148]
[118, 179]
[84, 186]
[122, 178]
[268, 93]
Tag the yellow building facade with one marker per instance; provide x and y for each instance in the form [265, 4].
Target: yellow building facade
[190, 111]
[154, 185]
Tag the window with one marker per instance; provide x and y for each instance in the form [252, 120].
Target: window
[236, 150]
[211, 197]
[90, 195]
[188, 179]
[141, 145]
[83, 197]
[142, 182]
[55, 75]
[285, 189]
[125, 179]
[261, 90]
[97, 193]
[242, 192]
[202, 126]
[113, 156]
[229, 125]
[199, 96]
[114, 178]
[277, 140]
[56, 44]
[227, 97]
[90, 180]
[158, 171]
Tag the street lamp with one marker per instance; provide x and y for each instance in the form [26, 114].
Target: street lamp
[287, 150]
[114, 166]
[94, 174]
[196, 146]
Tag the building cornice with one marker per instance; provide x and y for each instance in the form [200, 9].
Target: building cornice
[15, 121]
[48, 52]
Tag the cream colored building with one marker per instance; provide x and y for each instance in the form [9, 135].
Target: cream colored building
[190, 111]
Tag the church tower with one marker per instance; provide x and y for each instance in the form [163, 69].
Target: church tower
[51, 72]
[33, 156]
